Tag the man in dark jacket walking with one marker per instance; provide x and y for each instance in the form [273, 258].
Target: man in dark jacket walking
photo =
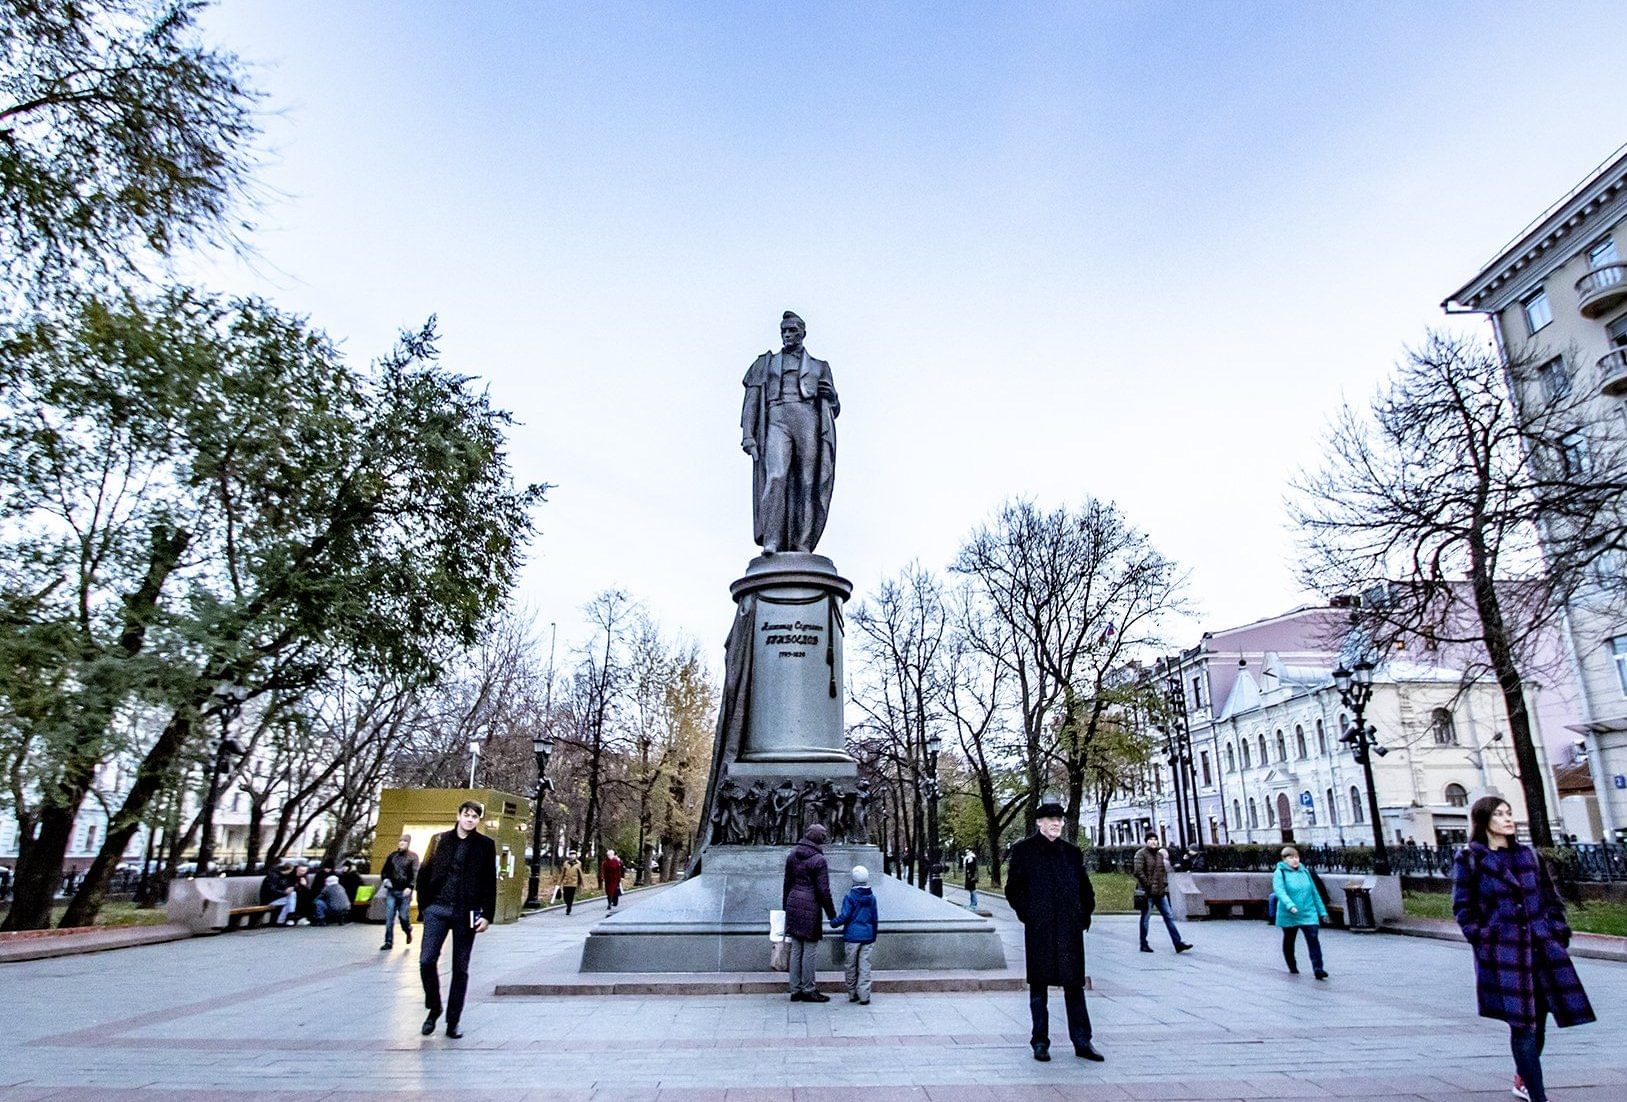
[1152, 886]
[1049, 889]
[396, 879]
[457, 895]
[804, 894]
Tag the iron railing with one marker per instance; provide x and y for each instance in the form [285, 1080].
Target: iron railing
[1572, 863]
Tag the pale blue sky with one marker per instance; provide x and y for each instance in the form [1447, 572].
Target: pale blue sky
[1132, 250]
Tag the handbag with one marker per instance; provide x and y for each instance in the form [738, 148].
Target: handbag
[1271, 908]
[779, 956]
[1139, 899]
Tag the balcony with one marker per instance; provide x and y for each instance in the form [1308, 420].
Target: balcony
[1613, 372]
[1602, 290]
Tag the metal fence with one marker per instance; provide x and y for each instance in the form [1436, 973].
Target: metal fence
[1599, 863]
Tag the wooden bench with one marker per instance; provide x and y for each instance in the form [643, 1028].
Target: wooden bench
[250, 916]
[1249, 908]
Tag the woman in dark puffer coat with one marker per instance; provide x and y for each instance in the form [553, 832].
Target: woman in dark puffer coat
[806, 893]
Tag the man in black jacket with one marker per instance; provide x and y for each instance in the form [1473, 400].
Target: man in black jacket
[396, 879]
[1049, 889]
[457, 894]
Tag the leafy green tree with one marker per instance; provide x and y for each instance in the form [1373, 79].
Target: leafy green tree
[198, 493]
[121, 138]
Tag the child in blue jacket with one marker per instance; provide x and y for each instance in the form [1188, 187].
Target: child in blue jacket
[858, 922]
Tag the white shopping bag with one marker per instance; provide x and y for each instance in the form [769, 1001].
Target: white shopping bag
[776, 926]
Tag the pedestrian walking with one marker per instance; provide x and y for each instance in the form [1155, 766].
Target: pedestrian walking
[396, 879]
[610, 874]
[1048, 888]
[804, 894]
[458, 881]
[1299, 908]
[859, 922]
[969, 865]
[1150, 867]
[570, 878]
[1510, 912]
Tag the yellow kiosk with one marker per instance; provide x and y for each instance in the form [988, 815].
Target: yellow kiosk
[422, 813]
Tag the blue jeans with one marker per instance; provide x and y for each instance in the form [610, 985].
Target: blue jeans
[1162, 903]
[324, 912]
[973, 893]
[397, 905]
[1526, 1043]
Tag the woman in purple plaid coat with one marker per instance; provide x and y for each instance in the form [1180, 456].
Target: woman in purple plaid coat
[1510, 912]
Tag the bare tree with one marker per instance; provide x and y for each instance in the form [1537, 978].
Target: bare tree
[1462, 471]
[902, 630]
[1071, 592]
[976, 690]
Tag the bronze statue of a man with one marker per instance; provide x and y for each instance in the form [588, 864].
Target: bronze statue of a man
[788, 427]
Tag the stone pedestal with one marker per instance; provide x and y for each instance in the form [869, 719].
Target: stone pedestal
[794, 717]
[718, 921]
[781, 722]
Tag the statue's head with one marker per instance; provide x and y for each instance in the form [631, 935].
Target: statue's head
[792, 330]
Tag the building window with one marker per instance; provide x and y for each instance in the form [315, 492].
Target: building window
[1537, 311]
[1299, 742]
[1264, 757]
[1555, 380]
[1440, 723]
[1237, 814]
[1203, 758]
[1231, 758]
[1355, 804]
[90, 837]
[1602, 253]
[1573, 456]
[1332, 807]
[1247, 763]
[1618, 647]
[1457, 796]
[1282, 746]
[1321, 738]
[1253, 814]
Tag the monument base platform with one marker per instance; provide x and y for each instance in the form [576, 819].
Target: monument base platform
[718, 921]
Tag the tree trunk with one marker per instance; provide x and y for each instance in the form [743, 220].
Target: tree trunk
[257, 812]
[39, 870]
[1500, 650]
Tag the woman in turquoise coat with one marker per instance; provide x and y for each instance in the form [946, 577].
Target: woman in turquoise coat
[1299, 907]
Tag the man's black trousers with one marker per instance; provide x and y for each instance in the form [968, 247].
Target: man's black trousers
[440, 920]
[1073, 997]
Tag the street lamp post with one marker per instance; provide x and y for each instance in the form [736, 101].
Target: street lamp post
[934, 852]
[474, 759]
[543, 747]
[1355, 690]
[230, 698]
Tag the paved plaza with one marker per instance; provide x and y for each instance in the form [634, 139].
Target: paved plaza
[321, 1013]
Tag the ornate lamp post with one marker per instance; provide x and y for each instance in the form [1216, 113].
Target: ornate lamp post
[543, 747]
[474, 759]
[1355, 690]
[230, 698]
[934, 853]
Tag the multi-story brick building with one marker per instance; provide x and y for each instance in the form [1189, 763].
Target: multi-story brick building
[1556, 297]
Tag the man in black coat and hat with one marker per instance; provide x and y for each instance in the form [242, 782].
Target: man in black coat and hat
[1049, 889]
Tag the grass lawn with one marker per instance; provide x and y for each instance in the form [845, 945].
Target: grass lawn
[117, 914]
[1592, 917]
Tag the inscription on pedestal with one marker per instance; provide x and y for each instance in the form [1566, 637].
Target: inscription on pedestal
[796, 683]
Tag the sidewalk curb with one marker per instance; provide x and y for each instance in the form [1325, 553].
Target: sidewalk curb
[1583, 946]
[96, 940]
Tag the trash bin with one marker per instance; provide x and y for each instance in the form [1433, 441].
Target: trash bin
[1359, 909]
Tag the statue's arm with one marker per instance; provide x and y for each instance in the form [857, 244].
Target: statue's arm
[827, 391]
